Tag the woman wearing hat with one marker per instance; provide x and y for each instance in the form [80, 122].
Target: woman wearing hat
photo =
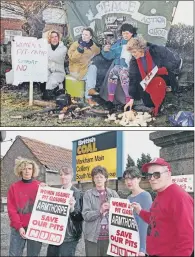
[148, 57]
[132, 177]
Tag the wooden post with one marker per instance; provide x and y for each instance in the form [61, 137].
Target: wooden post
[117, 185]
[31, 93]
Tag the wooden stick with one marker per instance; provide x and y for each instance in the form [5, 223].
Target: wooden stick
[44, 103]
[31, 93]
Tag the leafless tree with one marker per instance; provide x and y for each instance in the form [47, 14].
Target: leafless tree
[31, 11]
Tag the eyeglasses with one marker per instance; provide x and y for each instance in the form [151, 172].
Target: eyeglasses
[130, 178]
[155, 175]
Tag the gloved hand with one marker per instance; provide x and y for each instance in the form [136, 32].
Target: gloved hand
[82, 43]
[162, 71]
[81, 46]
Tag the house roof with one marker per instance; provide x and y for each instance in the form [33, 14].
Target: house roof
[51, 156]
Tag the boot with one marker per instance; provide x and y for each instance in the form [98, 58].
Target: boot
[92, 92]
[91, 102]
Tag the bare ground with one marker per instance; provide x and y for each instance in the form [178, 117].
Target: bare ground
[14, 102]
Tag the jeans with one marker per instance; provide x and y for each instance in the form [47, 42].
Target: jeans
[90, 79]
[65, 249]
[17, 244]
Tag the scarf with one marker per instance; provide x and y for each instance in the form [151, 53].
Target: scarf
[53, 47]
[85, 44]
[157, 86]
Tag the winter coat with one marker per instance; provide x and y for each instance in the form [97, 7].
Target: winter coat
[79, 62]
[91, 213]
[74, 226]
[162, 57]
[115, 53]
[56, 72]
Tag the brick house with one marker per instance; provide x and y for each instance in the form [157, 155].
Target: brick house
[11, 24]
[49, 158]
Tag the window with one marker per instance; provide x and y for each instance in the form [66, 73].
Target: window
[10, 34]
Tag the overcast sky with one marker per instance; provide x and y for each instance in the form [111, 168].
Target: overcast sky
[134, 142]
[184, 13]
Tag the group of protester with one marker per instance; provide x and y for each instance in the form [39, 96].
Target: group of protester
[166, 225]
[132, 59]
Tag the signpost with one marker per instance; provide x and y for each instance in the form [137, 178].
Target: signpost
[29, 61]
[104, 149]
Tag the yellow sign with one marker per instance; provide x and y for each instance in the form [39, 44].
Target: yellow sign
[86, 162]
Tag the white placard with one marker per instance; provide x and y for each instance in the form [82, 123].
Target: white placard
[184, 181]
[148, 78]
[50, 214]
[123, 230]
[29, 59]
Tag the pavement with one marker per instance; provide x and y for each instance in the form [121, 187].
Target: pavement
[5, 234]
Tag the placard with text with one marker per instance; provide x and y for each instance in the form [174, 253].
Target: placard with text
[29, 59]
[50, 214]
[123, 229]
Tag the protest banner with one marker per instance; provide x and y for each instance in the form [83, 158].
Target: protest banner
[49, 217]
[184, 181]
[104, 149]
[29, 61]
[148, 78]
[123, 229]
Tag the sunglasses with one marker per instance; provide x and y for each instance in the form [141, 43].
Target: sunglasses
[155, 175]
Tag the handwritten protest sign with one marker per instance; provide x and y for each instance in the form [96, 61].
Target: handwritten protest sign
[123, 230]
[29, 59]
[49, 217]
[148, 78]
[184, 181]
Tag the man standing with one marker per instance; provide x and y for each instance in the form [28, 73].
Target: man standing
[170, 219]
[74, 226]
[80, 55]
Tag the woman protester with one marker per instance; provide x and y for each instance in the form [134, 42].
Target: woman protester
[81, 66]
[132, 177]
[119, 69]
[95, 213]
[56, 72]
[74, 225]
[147, 57]
[20, 201]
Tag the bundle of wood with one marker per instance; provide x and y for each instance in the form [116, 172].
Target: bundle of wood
[131, 119]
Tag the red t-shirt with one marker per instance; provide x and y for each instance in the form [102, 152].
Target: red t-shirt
[171, 223]
[20, 201]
